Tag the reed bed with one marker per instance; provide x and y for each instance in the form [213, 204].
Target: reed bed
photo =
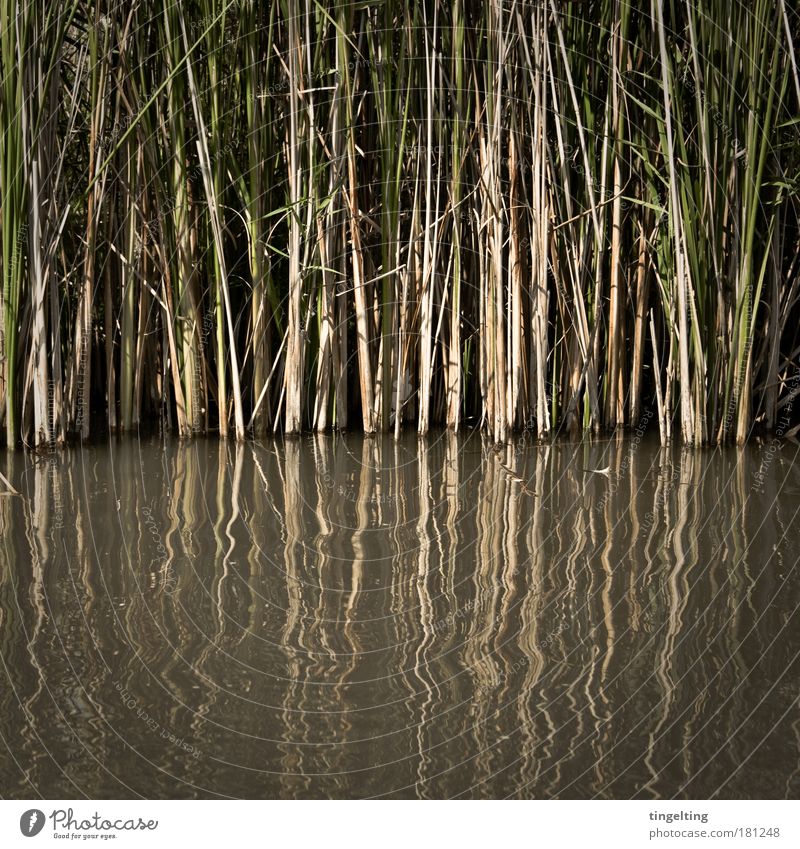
[249, 217]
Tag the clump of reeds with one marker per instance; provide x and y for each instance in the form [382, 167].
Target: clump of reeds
[251, 216]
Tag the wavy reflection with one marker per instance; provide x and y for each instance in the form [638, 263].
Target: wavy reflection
[335, 616]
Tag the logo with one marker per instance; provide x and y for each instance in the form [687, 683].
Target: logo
[65, 824]
[31, 822]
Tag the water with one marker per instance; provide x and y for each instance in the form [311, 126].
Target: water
[346, 617]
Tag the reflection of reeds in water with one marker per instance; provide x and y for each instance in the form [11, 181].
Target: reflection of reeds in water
[297, 717]
[347, 617]
[423, 579]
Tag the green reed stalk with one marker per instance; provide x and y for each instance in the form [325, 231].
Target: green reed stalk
[13, 199]
[555, 216]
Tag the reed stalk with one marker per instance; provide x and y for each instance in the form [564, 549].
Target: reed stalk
[245, 217]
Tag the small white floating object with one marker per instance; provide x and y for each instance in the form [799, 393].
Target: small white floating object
[606, 471]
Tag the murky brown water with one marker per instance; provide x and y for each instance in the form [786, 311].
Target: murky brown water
[342, 617]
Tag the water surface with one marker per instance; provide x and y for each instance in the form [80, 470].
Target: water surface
[334, 616]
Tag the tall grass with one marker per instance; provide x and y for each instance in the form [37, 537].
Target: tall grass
[248, 216]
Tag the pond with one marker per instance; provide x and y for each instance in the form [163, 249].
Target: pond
[339, 616]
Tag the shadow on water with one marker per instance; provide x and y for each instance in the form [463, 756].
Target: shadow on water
[345, 617]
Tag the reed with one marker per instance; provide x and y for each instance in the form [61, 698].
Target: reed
[245, 216]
